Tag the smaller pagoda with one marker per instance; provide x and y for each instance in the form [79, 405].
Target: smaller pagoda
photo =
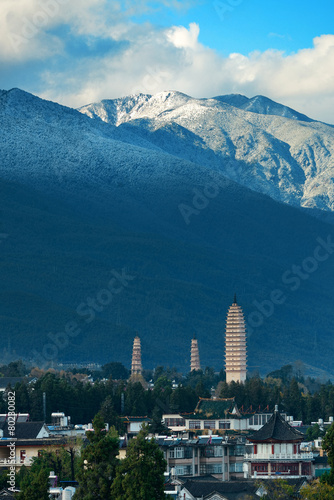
[194, 355]
[276, 451]
[136, 366]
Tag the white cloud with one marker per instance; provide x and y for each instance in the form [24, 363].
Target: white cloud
[154, 59]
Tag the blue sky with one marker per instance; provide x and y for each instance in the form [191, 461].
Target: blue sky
[80, 51]
[248, 25]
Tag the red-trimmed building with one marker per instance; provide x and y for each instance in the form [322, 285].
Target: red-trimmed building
[276, 451]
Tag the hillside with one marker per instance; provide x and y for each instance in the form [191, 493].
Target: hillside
[81, 198]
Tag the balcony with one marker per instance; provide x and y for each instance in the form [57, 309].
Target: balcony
[279, 456]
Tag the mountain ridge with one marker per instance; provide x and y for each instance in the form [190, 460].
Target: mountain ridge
[80, 198]
[286, 158]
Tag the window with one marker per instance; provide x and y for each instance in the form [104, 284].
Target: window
[23, 455]
[174, 422]
[238, 467]
[177, 452]
[182, 470]
[223, 424]
[209, 424]
[194, 424]
[239, 449]
[218, 451]
[214, 468]
[208, 452]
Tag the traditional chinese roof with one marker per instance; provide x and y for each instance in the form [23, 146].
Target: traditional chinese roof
[215, 408]
[277, 430]
[7, 494]
[230, 490]
[24, 430]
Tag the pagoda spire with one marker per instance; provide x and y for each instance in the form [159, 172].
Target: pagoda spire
[194, 355]
[235, 299]
[136, 366]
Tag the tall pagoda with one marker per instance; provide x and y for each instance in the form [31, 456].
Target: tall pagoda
[235, 344]
[194, 355]
[136, 366]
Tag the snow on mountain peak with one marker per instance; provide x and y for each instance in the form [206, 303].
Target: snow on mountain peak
[256, 142]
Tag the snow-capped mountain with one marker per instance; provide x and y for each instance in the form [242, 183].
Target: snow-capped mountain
[143, 184]
[256, 142]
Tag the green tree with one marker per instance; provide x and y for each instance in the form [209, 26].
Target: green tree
[157, 427]
[110, 416]
[35, 484]
[98, 463]
[115, 370]
[314, 432]
[140, 476]
[317, 491]
[328, 446]
[277, 489]
[63, 463]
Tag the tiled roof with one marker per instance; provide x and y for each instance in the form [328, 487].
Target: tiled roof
[276, 429]
[213, 408]
[23, 430]
[201, 440]
[231, 490]
[6, 494]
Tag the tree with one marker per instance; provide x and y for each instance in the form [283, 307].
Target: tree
[14, 369]
[317, 491]
[63, 462]
[35, 484]
[314, 432]
[98, 463]
[276, 489]
[328, 446]
[110, 416]
[115, 370]
[140, 476]
[157, 427]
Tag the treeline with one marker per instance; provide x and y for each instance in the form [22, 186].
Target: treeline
[292, 397]
[83, 399]
[76, 396]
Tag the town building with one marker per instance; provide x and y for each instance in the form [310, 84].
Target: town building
[31, 438]
[198, 456]
[216, 415]
[235, 344]
[135, 424]
[276, 451]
